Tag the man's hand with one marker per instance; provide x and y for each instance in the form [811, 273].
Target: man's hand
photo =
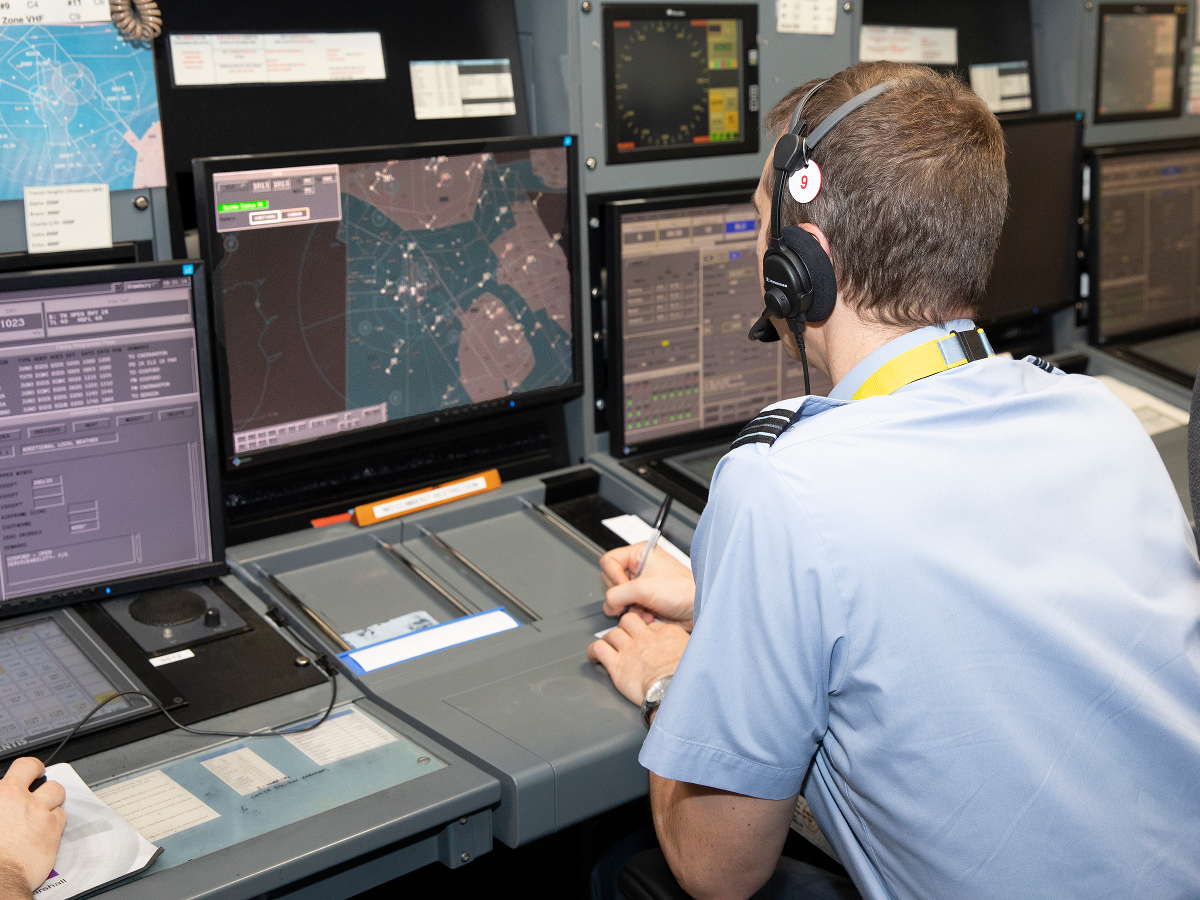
[665, 589]
[636, 653]
[31, 825]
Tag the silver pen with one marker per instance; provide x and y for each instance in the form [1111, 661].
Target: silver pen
[654, 535]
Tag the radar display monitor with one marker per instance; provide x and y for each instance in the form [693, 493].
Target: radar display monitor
[1139, 61]
[106, 482]
[1146, 241]
[1035, 266]
[684, 290]
[363, 293]
[680, 82]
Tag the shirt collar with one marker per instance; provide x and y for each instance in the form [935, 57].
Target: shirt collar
[848, 386]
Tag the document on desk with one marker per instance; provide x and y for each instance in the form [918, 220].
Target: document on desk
[342, 735]
[156, 805]
[98, 849]
[1155, 415]
[243, 770]
[634, 530]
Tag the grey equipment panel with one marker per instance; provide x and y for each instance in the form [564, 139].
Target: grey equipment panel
[524, 704]
[443, 815]
[1064, 36]
[129, 223]
[566, 90]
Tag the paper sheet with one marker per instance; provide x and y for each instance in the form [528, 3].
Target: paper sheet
[156, 805]
[208, 59]
[373, 634]
[634, 530]
[344, 734]
[243, 770]
[1193, 106]
[67, 217]
[1155, 415]
[806, 826]
[98, 846]
[805, 16]
[1004, 87]
[928, 46]
[431, 640]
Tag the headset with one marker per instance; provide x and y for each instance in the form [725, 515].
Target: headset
[798, 280]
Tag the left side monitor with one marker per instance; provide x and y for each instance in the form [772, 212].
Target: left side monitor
[107, 476]
[361, 294]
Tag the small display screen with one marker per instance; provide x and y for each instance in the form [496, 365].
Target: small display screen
[1147, 236]
[1035, 269]
[47, 685]
[679, 85]
[689, 292]
[103, 472]
[1138, 61]
[365, 291]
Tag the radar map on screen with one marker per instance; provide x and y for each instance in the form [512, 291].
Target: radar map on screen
[78, 105]
[429, 284]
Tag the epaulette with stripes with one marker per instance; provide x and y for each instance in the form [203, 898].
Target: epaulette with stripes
[1040, 363]
[764, 428]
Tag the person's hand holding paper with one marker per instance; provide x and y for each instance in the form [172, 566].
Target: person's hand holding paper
[31, 826]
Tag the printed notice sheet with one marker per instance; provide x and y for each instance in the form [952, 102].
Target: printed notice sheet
[243, 770]
[1155, 415]
[98, 846]
[462, 88]
[67, 217]
[156, 805]
[928, 46]
[806, 16]
[342, 735]
[633, 530]
[207, 59]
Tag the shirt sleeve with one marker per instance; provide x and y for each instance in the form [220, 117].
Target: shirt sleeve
[749, 703]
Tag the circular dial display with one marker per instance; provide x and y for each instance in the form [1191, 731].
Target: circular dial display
[661, 82]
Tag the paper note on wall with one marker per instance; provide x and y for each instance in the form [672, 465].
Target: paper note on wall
[806, 16]
[928, 46]
[67, 217]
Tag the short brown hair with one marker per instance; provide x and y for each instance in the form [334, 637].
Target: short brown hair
[913, 193]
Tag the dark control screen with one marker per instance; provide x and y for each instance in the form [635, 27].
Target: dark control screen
[1035, 269]
[681, 83]
[1139, 59]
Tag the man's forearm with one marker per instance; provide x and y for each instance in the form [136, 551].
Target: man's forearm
[719, 845]
[12, 884]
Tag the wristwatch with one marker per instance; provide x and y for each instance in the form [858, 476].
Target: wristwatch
[653, 699]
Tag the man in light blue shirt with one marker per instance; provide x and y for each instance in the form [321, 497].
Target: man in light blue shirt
[959, 611]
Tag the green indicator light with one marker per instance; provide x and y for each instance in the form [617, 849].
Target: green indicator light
[241, 207]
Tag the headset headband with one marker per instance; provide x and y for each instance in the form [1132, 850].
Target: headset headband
[787, 151]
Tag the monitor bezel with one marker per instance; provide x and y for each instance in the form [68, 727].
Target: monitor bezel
[1095, 157]
[693, 196]
[203, 170]
[1181, 40]
[1077, 213]
[47, 278]
[748, 15]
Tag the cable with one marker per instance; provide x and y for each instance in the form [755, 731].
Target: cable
[137, 20]
[797, 323]
[270, 732]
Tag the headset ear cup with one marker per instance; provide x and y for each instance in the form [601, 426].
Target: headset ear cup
[820, 271]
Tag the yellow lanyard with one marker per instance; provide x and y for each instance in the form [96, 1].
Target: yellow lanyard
[949, 352]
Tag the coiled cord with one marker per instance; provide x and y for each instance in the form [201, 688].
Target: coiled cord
[138, 20]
